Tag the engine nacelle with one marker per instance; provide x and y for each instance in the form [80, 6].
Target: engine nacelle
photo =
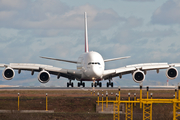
[138, 76]
[8, 73]
[44, 76]
[171, 73]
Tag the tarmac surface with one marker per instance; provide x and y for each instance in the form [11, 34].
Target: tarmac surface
[88, 88]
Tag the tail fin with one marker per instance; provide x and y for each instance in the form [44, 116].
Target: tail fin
[86, 33]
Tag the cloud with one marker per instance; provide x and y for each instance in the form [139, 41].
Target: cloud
[54, 14]
[139, 0]
[168, 13]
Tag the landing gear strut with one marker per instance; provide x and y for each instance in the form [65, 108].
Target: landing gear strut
[110, 83]
[81, 83]
[70, 83]
[95, 84]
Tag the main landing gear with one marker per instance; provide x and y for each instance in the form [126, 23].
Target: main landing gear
[110, 83]
[95, 84]
[70, 84]
[81, 83]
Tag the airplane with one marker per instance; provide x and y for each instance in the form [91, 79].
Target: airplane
[90, 67]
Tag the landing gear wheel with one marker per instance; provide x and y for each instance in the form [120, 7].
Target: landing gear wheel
[83, 84]
[95, 85]
[107, 84]
[100, 84]
[67, 84]
[72, 85]
[78, 84]
[92, 85]
[112, 84]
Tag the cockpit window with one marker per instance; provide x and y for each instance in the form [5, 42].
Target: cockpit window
[97, 63]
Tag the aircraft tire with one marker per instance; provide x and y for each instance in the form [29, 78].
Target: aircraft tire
[72, 85]
[91, 84]
[83, 84]
[78, 84]
[100, 84]
[107, 84]
[67, 84]
[112, 84]
[95, 85]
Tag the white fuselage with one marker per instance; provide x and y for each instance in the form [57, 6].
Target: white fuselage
[92, 66]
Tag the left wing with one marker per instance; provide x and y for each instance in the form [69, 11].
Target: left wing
[70, 61]
[44, 71]
[139, 71]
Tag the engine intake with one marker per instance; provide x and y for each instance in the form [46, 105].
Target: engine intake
[44, 76]
[8, 73]
[171, 73]
[138, 76]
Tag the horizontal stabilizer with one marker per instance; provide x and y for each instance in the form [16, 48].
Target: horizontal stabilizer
[70, 61]
[107, 60]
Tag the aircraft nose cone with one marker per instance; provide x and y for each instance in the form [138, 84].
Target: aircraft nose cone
[97, 72]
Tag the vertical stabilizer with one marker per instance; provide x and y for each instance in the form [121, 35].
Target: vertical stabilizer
[86, 33]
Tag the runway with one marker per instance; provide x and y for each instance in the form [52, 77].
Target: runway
[87, 88]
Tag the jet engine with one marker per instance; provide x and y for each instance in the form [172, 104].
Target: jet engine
[138, 76]
[8, 73]
[171, 73]
[44, 76]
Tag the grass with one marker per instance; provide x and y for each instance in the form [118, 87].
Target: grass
[73, 104]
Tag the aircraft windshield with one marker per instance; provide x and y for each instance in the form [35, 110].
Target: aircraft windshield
[97, 63]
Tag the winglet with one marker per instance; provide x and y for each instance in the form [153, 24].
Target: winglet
[86, 33]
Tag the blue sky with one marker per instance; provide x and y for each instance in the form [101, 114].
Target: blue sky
[146, 30]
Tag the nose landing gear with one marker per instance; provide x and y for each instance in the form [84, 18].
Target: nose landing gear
[95, 84]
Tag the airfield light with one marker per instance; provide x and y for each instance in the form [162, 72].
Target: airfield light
[18, 101]
[46, 102]
[134, 99]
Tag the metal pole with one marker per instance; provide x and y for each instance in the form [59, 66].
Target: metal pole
[147, 92]
[140, 96]
[175, 93]
[116, 96]
[18, 101]
[102, 102]
[106, 99]
[151, 95]
[98, 98]
[46, 102]
[134, 99]
[179, 95]
[119, 98]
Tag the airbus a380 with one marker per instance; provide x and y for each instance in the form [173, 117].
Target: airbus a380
[90, 67]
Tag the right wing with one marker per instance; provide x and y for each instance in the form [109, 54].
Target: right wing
[138, 71]
[44, 71]
[107, 60]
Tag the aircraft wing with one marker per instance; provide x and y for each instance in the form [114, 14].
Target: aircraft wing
[67, 73]
[130, 69]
